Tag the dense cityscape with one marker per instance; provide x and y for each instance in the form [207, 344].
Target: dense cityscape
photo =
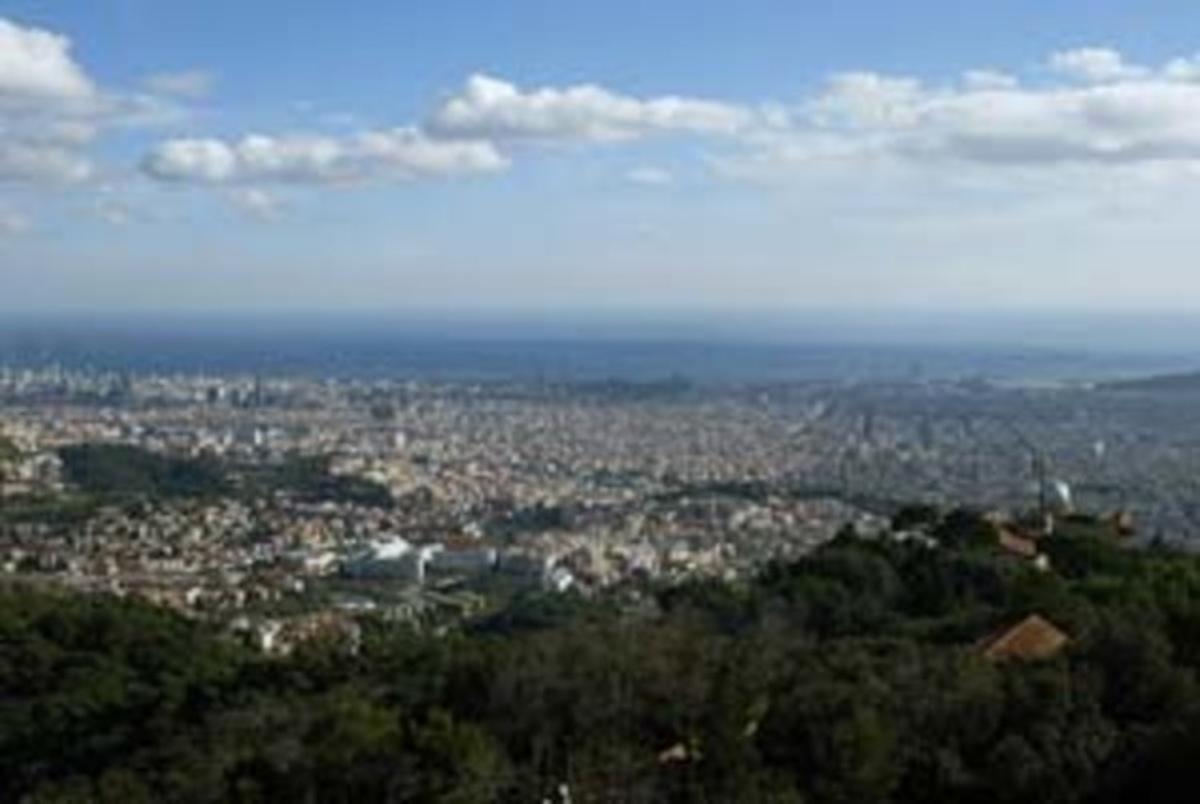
[328, 500]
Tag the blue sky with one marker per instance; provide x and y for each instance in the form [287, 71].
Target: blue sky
[548, 155]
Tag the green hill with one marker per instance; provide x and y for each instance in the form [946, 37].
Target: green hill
[854, 674]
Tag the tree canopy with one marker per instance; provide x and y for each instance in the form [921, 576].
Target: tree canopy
[851, 675]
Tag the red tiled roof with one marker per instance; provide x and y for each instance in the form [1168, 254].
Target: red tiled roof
[1032, 638]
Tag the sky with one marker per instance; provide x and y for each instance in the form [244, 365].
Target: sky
[296, 155]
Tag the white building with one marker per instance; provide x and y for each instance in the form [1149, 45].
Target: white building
[390, 558]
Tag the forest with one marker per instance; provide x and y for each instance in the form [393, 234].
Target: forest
[855, 674]
[115, 472]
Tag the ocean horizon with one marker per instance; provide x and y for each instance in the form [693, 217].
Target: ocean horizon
[638, 347]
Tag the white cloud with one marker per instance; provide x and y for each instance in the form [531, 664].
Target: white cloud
[1133, 122]
[988, 79]
[48, 108]
[492, 109]
[396, 154]
[37, 65]
[188, 84]
[52, 111]
[1094, 109]
[1183, 69]
[35, 161]
[192, 160]
[256, 202]
[408, 153]
[863, 98]
[299, 159]
[1114, 114]
[649, 176]
[1095, 65]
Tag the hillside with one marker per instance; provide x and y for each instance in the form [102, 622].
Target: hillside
[870, 671]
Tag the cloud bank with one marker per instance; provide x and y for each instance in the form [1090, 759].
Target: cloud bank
[1101, 111]
[493, 109]
[1087, 108]
[47, 107]
[400, 154]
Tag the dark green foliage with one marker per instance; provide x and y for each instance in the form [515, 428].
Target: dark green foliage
[840, 591]
[309, 478]
[536, 518]
[963, 528]
[123, 470]
[8, 450]
[535, 611]
[850, 675]
[51, 510]
[383, 411]
[110, 471]
[86, 680]
[919, 516]
[1078, 555]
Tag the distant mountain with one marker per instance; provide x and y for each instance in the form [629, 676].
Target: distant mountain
[1185, 382]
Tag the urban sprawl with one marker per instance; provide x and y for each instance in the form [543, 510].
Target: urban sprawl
[293, 506]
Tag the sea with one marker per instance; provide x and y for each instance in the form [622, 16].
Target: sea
[566, 348]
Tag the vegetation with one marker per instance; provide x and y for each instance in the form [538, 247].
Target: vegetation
[536, 518]
[309, 478]
[853, 675]
[8, 456]
[8, 450]
[108, 471]
[123, 470]
[48, 509]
